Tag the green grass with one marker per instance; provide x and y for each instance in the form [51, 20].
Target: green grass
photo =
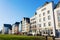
[19, 37]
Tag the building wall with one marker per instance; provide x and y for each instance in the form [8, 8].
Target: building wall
[13, 28]
[33, 24]
[10, 31]
[43, 13]
[20, 27]
[16, 29]
[43, 24]
[57, 21]
[25, 25]
[6, 29]
[57, 17]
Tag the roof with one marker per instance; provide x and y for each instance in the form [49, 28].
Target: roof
[17, 22]
[58, 4]
[8, 25]
[26, 18]
[44, 5]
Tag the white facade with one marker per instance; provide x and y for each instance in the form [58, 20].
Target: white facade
[10, 31]
[25, 25]
[45, 19]
[45, 22]
[57, 19]
[33, 22]
[20, 27]
[13, 28]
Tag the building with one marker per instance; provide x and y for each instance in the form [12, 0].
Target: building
[57, 18]
[46, 20]
[33, 22]
[7, 29]
[25, 25]
[20, 26]
[15, 28]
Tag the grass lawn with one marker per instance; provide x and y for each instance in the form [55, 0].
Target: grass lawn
[19, 37]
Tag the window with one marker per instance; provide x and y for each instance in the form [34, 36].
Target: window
[39, 15]
[51, 31]
[43, 9]
[44, 19]
[35, 13]
[58, 18]
[39, 25]
[48, 11]
[58, 11]
[43, 31]
[39, 20]
[49, 17]
[46, 31]
[32, 19]
[49, 23]
[44, 14]
[44, 24]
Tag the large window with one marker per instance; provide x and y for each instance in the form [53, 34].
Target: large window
[43, 18]
[43, 13]
[32, 19]
[39, 25]
[49, 23]
[48, 12]
[39, 20]
[44, 24]
[43, 9]
[58, 18]
[49, 17]
[39, 15]
[51, 31]
[58, 11]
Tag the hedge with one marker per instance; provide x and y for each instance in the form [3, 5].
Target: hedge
[18, 37]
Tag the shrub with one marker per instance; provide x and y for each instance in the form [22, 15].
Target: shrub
[18, 37]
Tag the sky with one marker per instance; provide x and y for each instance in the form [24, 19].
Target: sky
[12, 11]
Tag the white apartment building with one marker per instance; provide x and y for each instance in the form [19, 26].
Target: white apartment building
[15, 28]
[57, 19]
[33, 24]
[46, 20]
[25, 25]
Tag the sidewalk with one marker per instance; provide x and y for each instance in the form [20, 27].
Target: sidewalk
[57, 38]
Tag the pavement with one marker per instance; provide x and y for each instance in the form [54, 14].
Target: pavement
[57, 38]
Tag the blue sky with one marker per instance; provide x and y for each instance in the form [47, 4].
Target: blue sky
[14, 10]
